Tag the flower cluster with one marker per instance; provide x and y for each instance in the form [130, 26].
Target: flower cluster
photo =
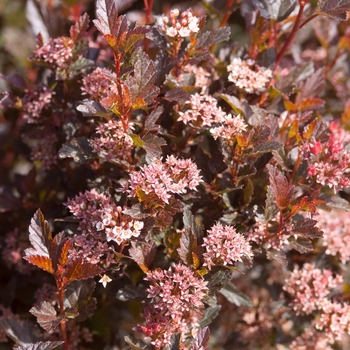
[177, 303]
[114, 144]
[224, 246]
[101, 217]
[310, 339]
[310, 287]
[158, 182]
[57, 52]
[247, 75]
[230, 127]
[35, 102]
[182, 27]
[97, 84]
[44, 150]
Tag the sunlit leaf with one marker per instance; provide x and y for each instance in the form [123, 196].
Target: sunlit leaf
[334, 8]
[46, 315]
[43, 262]
[80, 269]
[277, 10]
[41, 345]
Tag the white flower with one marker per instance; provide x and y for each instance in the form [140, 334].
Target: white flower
[104, 280]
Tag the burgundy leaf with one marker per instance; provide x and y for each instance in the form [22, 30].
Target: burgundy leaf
[202, 338]
[334, 8]
[41, 345]
[143, 253]
[307, 227]
[78, 30]
[301, 244]
[150, 122]
[281, 189]
[277, 255]
[57, 245]
[177, 94]
[107, 17]
[152, 145]
[80, 269]
[46, 315]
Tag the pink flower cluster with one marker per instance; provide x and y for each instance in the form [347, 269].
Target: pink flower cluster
[224, 246]
[182, 27]
[114, 144]
[57, 51]
[97, 84]
[331, 162]
[310, 287]
[101, 217]
[177, 303]
[336, 233]
[310, 339]
[35, 101]
[204, 113]
[247, 75]
[158, 182]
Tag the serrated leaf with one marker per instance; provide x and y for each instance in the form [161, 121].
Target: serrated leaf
[234, 296]
[137, 140]
[280, 186]
[130, 292]
[78, 296]
[307, 227]
[335, 202]
[46, 315]
[107, 17]
[43, 262]
[267, 147]
[334, 8]
[141, 84]
[143, 253]
[150, 122]
[277, 10]
[176, 95]
[41, 345]
[313, 87]
[79, 269]
[209, 314]
[79, 149]
[277, 255]
[301, 244]
[91, 109]
[63, 258]
[201, 339]
[310, 104]
[220, 34]
[152, 145]
[79, 66]
[23, 333]
[78, 30]
[57, 245]
[219, 279]
[271, 208]
[40, 236]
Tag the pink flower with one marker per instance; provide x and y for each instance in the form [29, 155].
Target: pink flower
[224, 246]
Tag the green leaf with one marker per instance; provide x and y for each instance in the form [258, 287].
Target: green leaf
[137, 140]
[234, 296]
[334, 8]
[278, 10]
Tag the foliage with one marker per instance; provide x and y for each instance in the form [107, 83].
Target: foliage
[181, 182]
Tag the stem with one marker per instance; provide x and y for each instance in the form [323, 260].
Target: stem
[63, 323]
[308, 20]
[148, 8]
[227, 14]
[292, 33]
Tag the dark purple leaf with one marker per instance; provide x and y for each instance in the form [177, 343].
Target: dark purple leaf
[152, 145]
[267, 147]
[301, 244]
[150, 122]
[307, 228]
[277, 10]
[107, 17]
[8, 201]
[130, 292]
[201, 340]
[91, 109]
[277, 255]
[22, 333]
[177, 94]
[78, 296]
[280, 186]
[46, 315]
[221, 34]
[334, 8]
[79, 149]
[234, 296]
[41, 345]
[143, 253]
[313, 87]
[209, 314]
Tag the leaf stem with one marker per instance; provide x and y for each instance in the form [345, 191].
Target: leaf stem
[308, 20]
[227, 14]
[292, 33]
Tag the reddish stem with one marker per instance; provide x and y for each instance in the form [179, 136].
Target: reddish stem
[148, 8]
[227, 14]
[60, 288]
[308, 20]
[292, 33]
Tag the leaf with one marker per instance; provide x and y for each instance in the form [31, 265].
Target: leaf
[201, 339]
[150, 122]
[152, 145]
[77, 148]
[79, 269]
[277, 255]
[335, 202]
[219, 279]
[248, 191]
[267, 147]
[107, 18]
[43, 262]
[271, 208]
[41, 345]
[277, 10]
[8, 201]
[130, 292]
[46, 316]
[301, 244]
[57, 244]
[234, 103]
[234, 296]
[91, 109]
[79, 66]
[78, 30]
[334, 8]
[40, 236]
[313, 87]
[143, 253]
[23, 333]
[141, 84]
[307, 228]
[78, 296]
[281, 189]
[209, 314]
[311, 104]
[220, 34]
[176, 95]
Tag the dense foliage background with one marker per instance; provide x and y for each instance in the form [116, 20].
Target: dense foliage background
[174, 175]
